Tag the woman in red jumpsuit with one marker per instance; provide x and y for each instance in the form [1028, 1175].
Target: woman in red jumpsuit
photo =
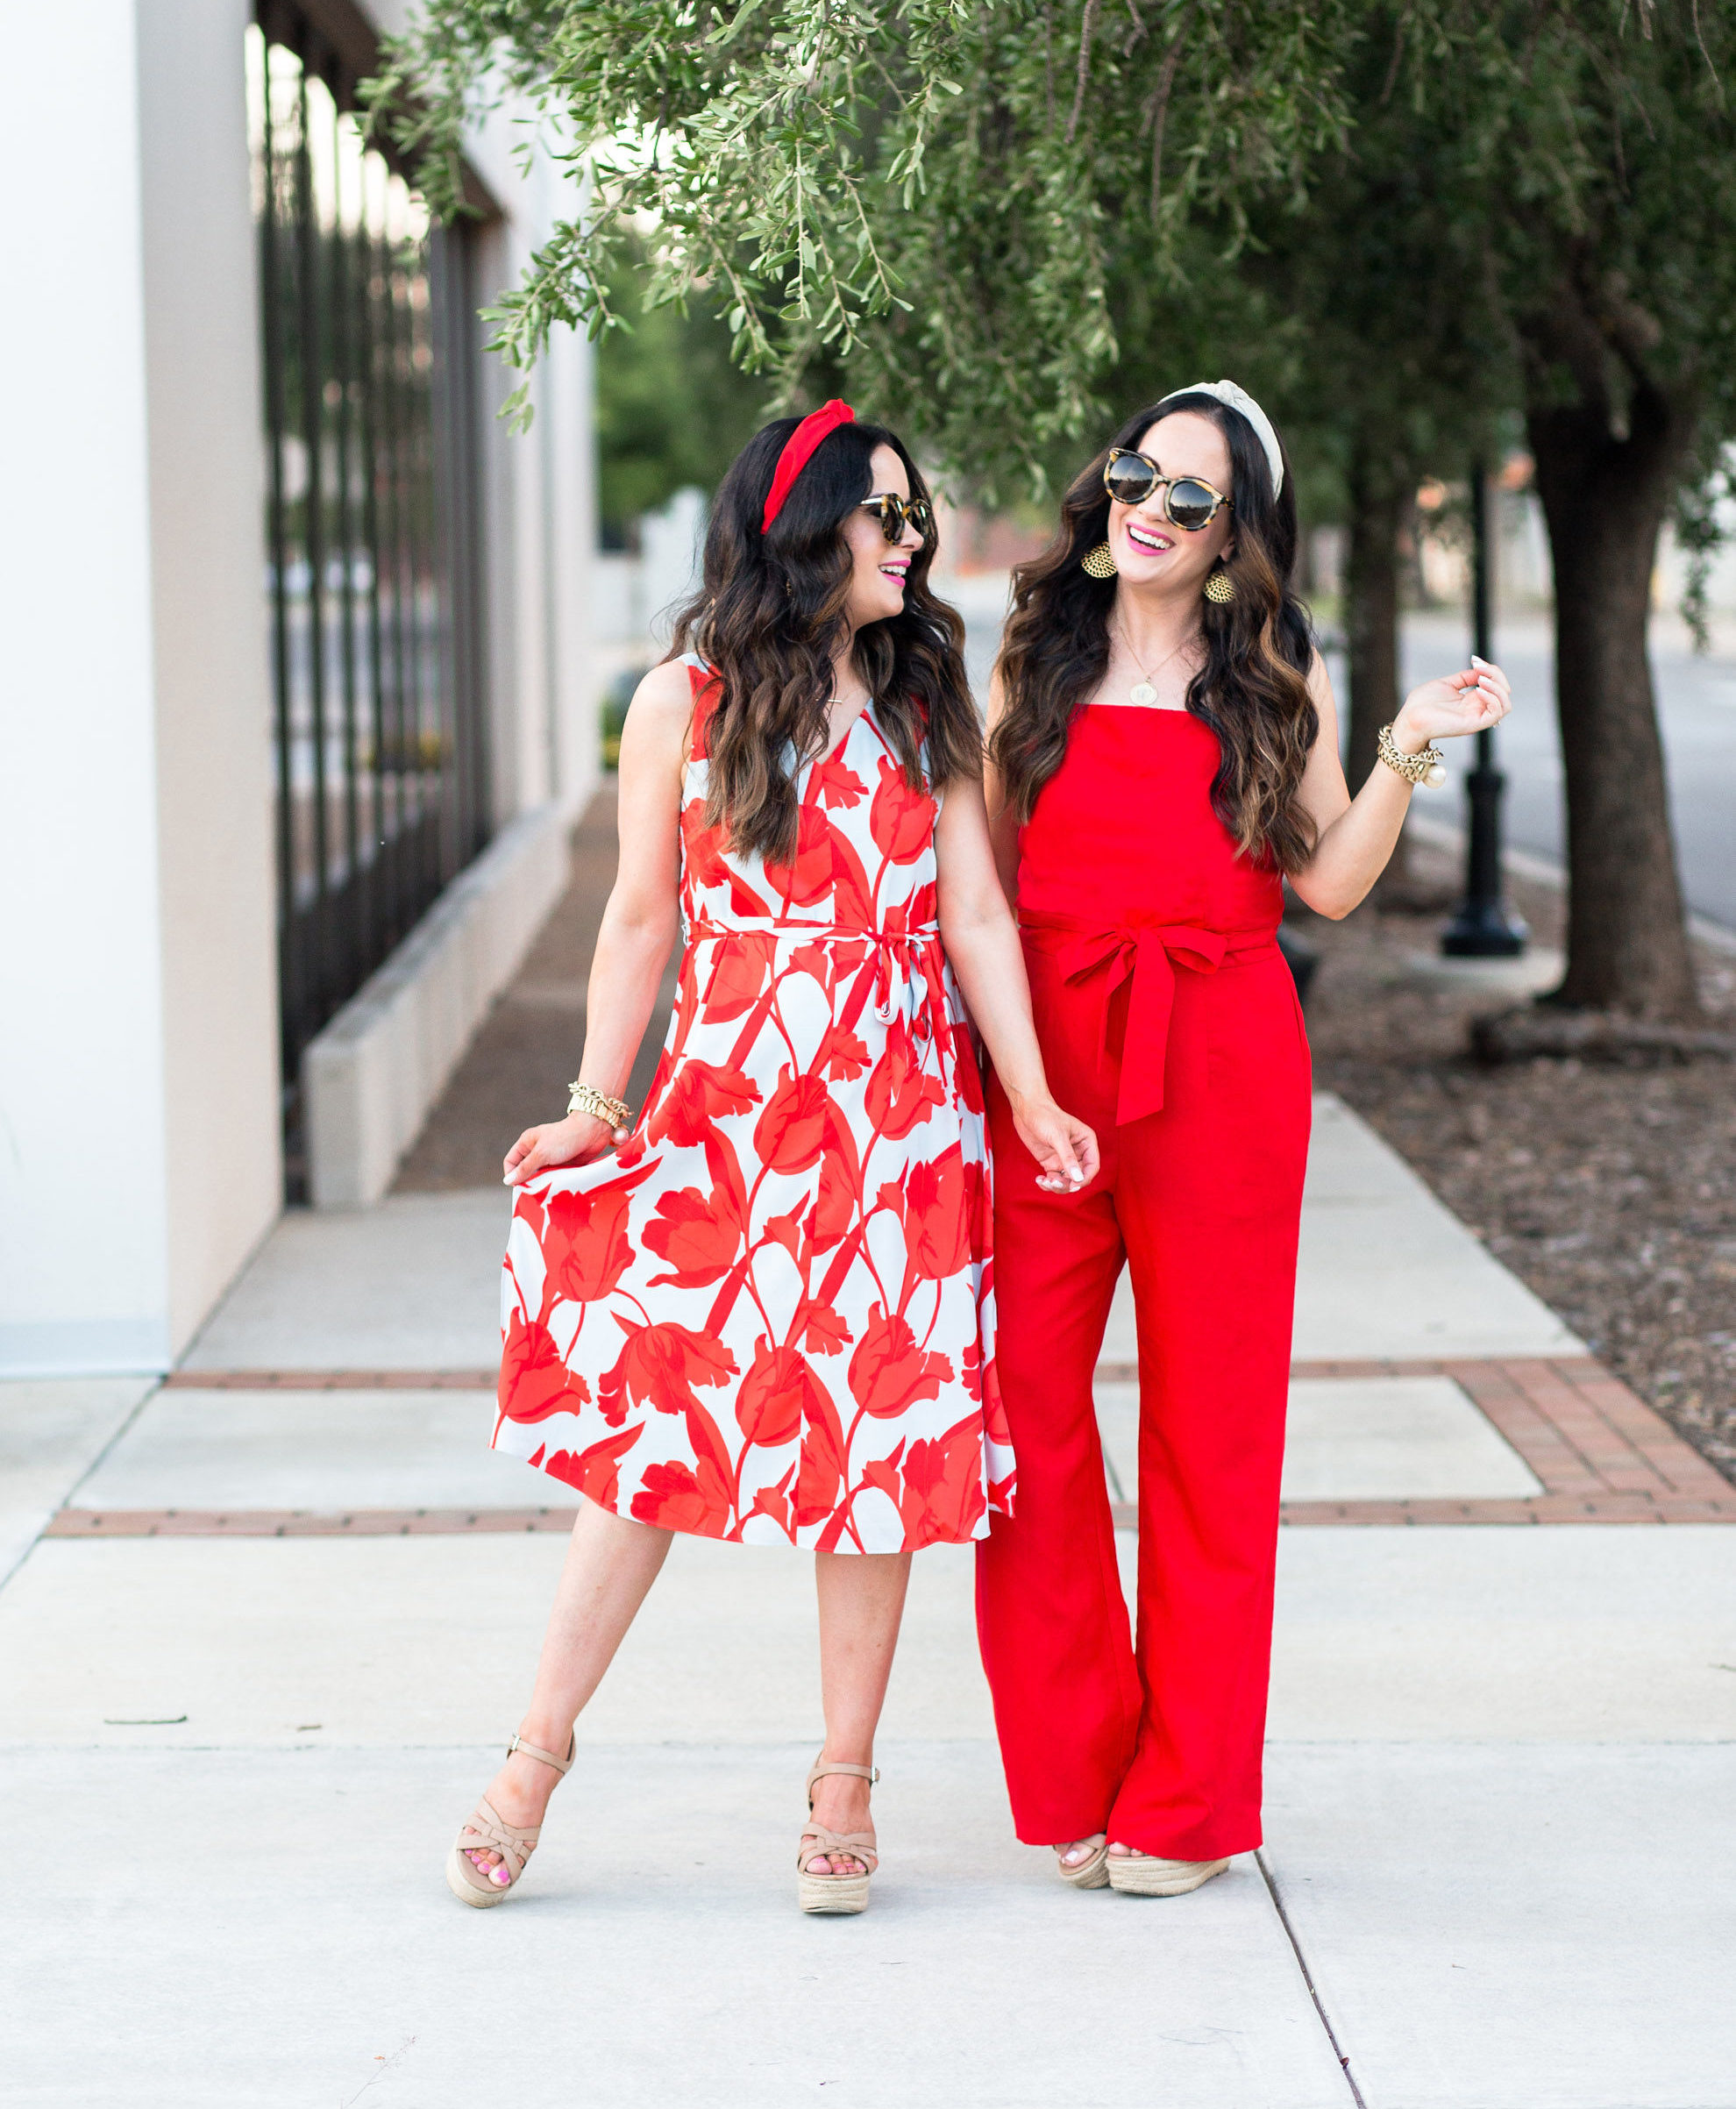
[1165, 755]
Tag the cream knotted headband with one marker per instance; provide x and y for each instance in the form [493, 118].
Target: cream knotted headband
[1238, 399]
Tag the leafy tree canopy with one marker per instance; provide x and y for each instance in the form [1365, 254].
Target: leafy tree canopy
[672, 409]
[947, 195]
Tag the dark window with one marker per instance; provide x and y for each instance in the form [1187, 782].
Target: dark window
[373, 534]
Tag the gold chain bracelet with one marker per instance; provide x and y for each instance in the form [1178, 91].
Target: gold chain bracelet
[1429, 768]
[585, 1098]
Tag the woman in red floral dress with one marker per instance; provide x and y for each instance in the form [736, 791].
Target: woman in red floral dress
[764, 1313]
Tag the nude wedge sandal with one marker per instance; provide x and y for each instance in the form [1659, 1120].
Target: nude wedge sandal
[1147, 1875]
[835, 1892]
[1092, 1873]
[491, 1832]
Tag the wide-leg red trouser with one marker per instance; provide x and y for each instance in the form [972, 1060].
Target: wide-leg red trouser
[1154, 1737]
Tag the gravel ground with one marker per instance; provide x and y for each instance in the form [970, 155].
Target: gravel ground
[1611, 1191]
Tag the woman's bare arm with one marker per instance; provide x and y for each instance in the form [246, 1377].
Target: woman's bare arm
[1357, 836]
[639, 923]
[1002, 822]
[982, 944]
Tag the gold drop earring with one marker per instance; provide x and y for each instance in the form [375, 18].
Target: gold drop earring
[1220, 588]
[1099, 563]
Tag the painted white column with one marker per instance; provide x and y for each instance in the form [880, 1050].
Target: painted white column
[137, 1102]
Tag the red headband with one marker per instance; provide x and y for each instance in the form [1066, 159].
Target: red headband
[798, 448]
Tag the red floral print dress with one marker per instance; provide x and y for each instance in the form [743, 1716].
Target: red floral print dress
[769, 1317]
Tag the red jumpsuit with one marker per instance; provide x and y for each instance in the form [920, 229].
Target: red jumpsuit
[1168, 1021]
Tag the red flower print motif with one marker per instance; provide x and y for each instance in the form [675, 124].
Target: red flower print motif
[528, 1207]
[658, 1366]
[853, 897]
[889, 1373]
[700, 1234]
[829, 964]
[837, 1197]
[922, 911]
[901, 821]
[994, 1406]
[585, 1247]
[698, 1093]
[833, 783]
[596, 1472]
[967, 1076]
[937, 1225]
[702, 848]
[809, 877]
[820, 960]
[787, 1136]
[824, 1332]
[534, 1381]
[943, 1486]
[776, 1394]
[842, 1055]
[742, 967]
[820, 1466]
[774, 1502]
[900, 1096]
[674, 1496]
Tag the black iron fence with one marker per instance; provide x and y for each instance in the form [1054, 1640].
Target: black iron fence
[374, 567]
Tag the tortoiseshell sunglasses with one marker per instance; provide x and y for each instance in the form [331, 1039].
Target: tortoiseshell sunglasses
[1189, 502]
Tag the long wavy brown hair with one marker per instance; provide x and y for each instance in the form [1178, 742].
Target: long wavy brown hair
[770, 612]
[1252, 689]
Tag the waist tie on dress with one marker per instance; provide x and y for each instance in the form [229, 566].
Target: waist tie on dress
[907, 962]
[1145, 954]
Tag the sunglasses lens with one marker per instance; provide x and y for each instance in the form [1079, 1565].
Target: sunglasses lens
[1192, 504]
[1129, 480]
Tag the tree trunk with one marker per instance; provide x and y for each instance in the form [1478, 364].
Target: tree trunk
[1604, 497]
[1371, 619]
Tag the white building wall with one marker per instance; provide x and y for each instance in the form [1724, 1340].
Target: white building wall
[84, 1254]
[139, 1151]
[210, 663]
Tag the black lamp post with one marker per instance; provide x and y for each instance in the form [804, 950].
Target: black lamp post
[1483, 927]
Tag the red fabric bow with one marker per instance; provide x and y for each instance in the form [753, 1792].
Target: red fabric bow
[798, 448]
[1146, 955]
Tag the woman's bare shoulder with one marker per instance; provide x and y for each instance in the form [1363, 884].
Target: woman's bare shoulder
[666, 693]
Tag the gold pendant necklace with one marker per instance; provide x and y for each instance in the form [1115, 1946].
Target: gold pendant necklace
[1144, 692]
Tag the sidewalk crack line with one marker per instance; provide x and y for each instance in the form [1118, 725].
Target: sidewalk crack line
[1270, 1881]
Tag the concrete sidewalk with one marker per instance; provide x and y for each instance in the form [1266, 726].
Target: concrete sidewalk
[269, 1624]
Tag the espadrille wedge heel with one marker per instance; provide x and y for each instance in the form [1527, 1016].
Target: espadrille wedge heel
[1146, 1875]
[835, 1892]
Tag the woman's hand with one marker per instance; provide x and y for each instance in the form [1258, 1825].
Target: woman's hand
[576, 1140]
[1458, 703]
[1064, 1149]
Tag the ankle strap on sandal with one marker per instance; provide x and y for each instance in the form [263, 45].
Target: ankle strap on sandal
[870, 1773]
[547, 1757]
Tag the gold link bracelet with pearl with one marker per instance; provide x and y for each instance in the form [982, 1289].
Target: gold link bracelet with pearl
[585, 1098]
[1429, 768]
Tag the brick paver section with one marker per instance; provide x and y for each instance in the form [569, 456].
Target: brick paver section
[1602, 1455]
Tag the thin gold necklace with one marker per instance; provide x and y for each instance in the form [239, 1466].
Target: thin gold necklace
[1144, 692]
